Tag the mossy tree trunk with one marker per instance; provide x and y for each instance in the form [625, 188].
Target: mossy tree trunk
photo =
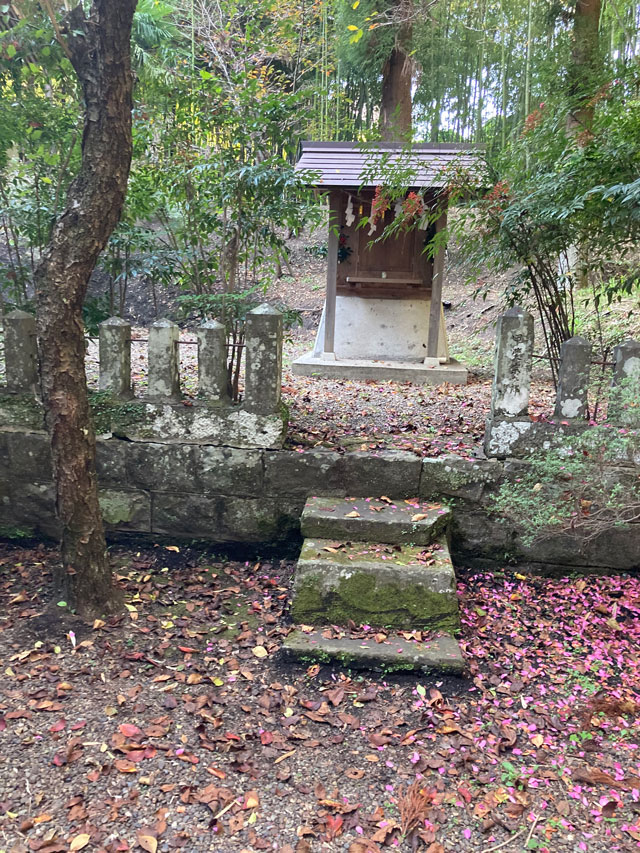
[98, 46]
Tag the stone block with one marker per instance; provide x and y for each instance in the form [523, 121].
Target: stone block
[475, 533]
[440, 655]
[29, 456]
[115, 357]
[394, 473]
[111, 462]
[310, 472]
[263, 347]
[162, 467]
[20, 351]
[624, 404]
[21, 411]
[573, 380]
[202, 423]
[258, 520]
[504, 438]
[512, 364]
[368, 520]
[33, 506]
[164, 360]
[374, 584]
[228, 471]
[193, 516]
[453, 476]
[213, 379]
[122, 510]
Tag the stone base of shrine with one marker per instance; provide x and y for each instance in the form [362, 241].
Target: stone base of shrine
[361, 370]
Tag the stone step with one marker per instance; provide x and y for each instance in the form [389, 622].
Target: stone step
[373, 520]
[399, 586]
[441, 654]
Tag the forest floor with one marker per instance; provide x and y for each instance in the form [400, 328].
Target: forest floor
[179, 727]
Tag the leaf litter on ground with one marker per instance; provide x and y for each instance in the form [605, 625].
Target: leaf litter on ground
[163, 729]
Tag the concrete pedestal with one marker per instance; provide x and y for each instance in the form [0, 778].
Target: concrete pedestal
[381, 330]
[382, 340]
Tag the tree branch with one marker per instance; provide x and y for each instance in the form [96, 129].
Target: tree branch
[56, 28]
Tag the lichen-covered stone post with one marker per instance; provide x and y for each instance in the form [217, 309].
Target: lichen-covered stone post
[164, 360]
[512, 365]
[20, 351]
[624, 404]
[263, 338]
[115, 357]
[573, 380]
[212, 361]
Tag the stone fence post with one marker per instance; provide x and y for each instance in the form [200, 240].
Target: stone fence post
[263, 384]
[20, 351]
[573, 379]
[115, 357]
[624, 402]
[164, 360]
[512, 365]
[212, 361]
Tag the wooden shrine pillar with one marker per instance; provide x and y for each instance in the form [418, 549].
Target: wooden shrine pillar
[436, 292]
[335, 200]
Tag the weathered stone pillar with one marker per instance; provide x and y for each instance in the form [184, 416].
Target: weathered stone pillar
[164, 360]
[573, 380]
[512, 365]
[624, 403]
[212, 361]
[115, 357]
[20, 351]
[263, 338]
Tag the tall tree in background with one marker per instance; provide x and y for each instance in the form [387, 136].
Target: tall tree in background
[397, 76]
[98, 47]
[586, 64]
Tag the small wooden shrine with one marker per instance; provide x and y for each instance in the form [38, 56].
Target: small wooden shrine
[383, 316]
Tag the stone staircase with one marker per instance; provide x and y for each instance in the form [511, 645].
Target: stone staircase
[380, 563]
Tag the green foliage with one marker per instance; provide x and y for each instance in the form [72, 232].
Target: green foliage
[40, 129]
[551, 193]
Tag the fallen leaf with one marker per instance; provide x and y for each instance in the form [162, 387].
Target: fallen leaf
[148, 842]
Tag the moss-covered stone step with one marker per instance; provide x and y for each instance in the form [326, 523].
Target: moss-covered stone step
[440, 655]
[399, 586]
[371, 520]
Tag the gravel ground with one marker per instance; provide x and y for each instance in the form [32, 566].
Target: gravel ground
[178, 726]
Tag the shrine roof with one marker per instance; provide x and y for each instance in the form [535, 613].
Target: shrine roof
[353, 164]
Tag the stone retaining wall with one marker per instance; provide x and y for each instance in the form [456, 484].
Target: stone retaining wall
[237, 495]
[216, 471]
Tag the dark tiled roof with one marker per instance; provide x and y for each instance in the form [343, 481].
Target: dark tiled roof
[342, 164]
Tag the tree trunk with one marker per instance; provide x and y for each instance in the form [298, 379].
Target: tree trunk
[585, 67]
[397, 76]
[99, 49]
[585, 70]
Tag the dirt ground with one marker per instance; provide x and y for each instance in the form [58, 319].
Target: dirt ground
[179, 726]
